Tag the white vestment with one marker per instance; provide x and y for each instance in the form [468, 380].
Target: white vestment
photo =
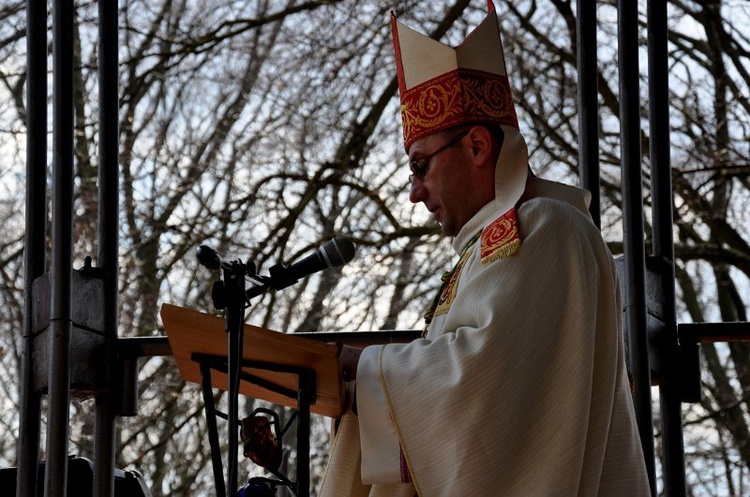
[520, 386]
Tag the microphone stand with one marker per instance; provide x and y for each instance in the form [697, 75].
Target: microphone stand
[234, 286]
[234, 297]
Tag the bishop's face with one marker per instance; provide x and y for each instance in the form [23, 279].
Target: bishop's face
[441, 178]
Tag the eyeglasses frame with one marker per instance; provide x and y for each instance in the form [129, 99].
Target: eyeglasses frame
[419, 167]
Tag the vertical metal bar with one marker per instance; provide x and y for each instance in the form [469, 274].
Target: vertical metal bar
[674, 456]
[56, 468]
[104, 446]
[213, 430]
[588, 101]
[108, 227]
[234, 358]
[234, 281]
[633, 239]
[305, 395]
[36, 230]
[663, 245]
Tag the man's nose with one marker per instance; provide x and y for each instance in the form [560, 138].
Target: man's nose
[417, 192]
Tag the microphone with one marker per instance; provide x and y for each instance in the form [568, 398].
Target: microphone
[334, 253]
[208, 257]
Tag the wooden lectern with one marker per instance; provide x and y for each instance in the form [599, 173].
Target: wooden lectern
[301, 372]
[284, 369]
[269, 355]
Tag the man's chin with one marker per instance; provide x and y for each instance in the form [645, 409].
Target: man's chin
[447, 230]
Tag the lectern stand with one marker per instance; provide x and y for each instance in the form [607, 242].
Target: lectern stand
[284, 369]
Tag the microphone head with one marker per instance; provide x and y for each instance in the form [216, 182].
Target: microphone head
[337, 252]
[208, 257]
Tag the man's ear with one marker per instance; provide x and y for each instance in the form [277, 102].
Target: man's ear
[481, 145]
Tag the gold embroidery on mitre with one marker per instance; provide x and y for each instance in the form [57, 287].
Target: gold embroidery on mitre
[457, 97]
[501, 238]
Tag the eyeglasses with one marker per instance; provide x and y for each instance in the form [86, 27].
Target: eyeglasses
[419, 167]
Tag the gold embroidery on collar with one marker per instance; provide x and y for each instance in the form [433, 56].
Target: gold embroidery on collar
[447, 292]
[501, 238]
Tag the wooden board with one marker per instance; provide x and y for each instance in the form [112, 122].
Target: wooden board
[191, 332]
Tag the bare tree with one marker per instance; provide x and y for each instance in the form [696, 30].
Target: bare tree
[265, 128]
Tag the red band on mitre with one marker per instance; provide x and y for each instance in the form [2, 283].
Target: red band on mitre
[458, 97]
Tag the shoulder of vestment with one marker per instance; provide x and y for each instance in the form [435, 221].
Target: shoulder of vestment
[500, 238]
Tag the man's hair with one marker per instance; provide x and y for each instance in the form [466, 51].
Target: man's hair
[497, 132]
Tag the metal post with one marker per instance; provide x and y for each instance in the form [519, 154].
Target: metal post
[588, 104]
[213, 430]
[663, 247]
[107, 404]
[36, 230]
[56, 467]
[634, 298]
[234, 281]
[305, 397]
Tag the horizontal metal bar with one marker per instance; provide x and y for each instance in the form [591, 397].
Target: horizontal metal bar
[363, 338]
[132, 347]
[219, 363]
[738, 331]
